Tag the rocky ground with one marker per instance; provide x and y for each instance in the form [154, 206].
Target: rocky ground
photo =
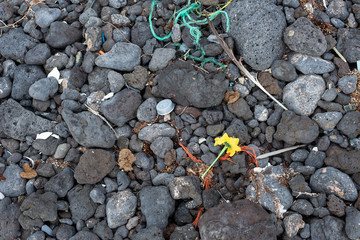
[90, 73]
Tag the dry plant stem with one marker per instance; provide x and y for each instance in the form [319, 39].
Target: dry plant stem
[339, 54]
[102, 118]
[239, 64]
[117, 30]
[266, 155]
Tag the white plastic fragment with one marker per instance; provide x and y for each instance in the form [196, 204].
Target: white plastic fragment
[54, 73]
[2, 196]
[46, 135]
[201, 140]
[108, 96]
[259, 169]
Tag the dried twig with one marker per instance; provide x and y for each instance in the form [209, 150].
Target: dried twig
[239, 64]
[266, 155]
[339, 54]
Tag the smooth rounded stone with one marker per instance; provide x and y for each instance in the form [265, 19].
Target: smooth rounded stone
[315, 159]
[45, 170]
[24, 77]
[123, 180]
[350, 124]
[121, 34]
[332, 181]
[44, 88]
[138, 78]
[88, 63]
[45, 16]
[211, 198]
[14, 158]
[15, 43]
[10, 144]
[243, 90]
[62, 150]
[328, 120]
[38, 54]
[97, 196]
[144, 162]
[61, 183]
[336, 206]
[140, 33]
[156, 205]
[6, 11]
[86, 15]
[305, 232]
[293, 223]
[186, 187]
[347, 84]
[303, 94]
[246, 218]
[111, 186]
[254, 43]
[261, 113]
[80, 203]
[163, 179]
[239, 167]
[241, 109]
[120, 208]
[116, 81]
[299, 155]
[184, 232]
[88, 129]
[351, 21]
[39, 235]
[296, 129]
[14, 185]
[46, 146]
[152, 132]
[65, 231]
[59, 60]
[311, 65]
[330, 94]
[40, 206]
[200, 132]
[291, 3]
[346, 161]
[280, 198]
[327, 226]
[132, 223]
[61, 35]
[117, 3]
[337, 23]
[122, 57]
[121, 107]
[174, 82]
[337, 9]
[5, 87]
[9, 224]
[214, 130]
[160, 58]
[161, 145]
[352, 222]
[303, 207]
[346, 44]
[303, 37]
[93, 166]
[81, 235]
[155, 233]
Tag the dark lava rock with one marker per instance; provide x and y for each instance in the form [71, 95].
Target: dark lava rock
[303, 37]
[332, 181]
[337, 9]
[296, 129]
[161, 145]
[38, 54]
[240, 220]
[350, 124]
[140, 33]
[283, 70]
[352, 223]
[152, 132]
[239, 130]
[121, 107]
[88, 129]
[346, 161]
[6, 11]
[84, 235]
[14, 185]
[15, 44]
[269, 83]
[347, 40]
[185, 188]
[9, 225]
[269, 191]
[93, 166]
[302, 206]
[65, 231]
[328, 228]
[184, 232]
[153, 233]
[24, 76]
[5, 87]
[103, 231]
[292, 224]
[336, 205]
[40, 206]
[81, 205]
[257, 28]
[156, 205]
[137, 78]
[120, 208]
[241, 109]
[302, 95]
[61, 35]
[44, 88]
[328, 120]
[177, 82]
[311, 65]
[17, 122]
[46, 146]
[147, 110]
[122, 57]
[61, 183]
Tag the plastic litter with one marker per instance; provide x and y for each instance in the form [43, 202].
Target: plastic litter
[165, 106]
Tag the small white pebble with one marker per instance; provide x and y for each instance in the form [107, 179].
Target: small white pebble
[2, 196]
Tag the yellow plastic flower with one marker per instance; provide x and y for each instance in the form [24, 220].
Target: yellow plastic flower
[230, 142]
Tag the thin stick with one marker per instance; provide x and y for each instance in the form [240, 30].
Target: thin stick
[102, 118]
[339, 54]
[266, 155]
[239, 64]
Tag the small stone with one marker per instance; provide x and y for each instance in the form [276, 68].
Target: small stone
[350, 124]
[336, 206]
[347, 84]
[38, 54]
[241, 109]
[45, 16]
[152, 132]
[283, 70]
[338, 9]
[328, 226]
[311, 65]
[261, 113]
[186, 187]
[61, 35]
[116, 81]
[293, 224]
[62, 150]
[328, 120]
[161, 58]
[80, 203]
[121, 20]
[269, 83]
[5, 87]
[138, 78]
[303, 207]
[352, 221]
[61, 183]
[14, 185]
[44, 88]
[97, 196]
[123, 180]
[161, 145]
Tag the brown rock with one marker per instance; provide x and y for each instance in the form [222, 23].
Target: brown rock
[346, 161]
[240, 220]
[336, 205]
[194, 112]
[343, 67]
[269, 83]
[126, 159]
[93, 166]
[170, 157]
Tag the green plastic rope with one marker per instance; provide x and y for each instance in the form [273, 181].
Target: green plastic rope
[184, 15]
